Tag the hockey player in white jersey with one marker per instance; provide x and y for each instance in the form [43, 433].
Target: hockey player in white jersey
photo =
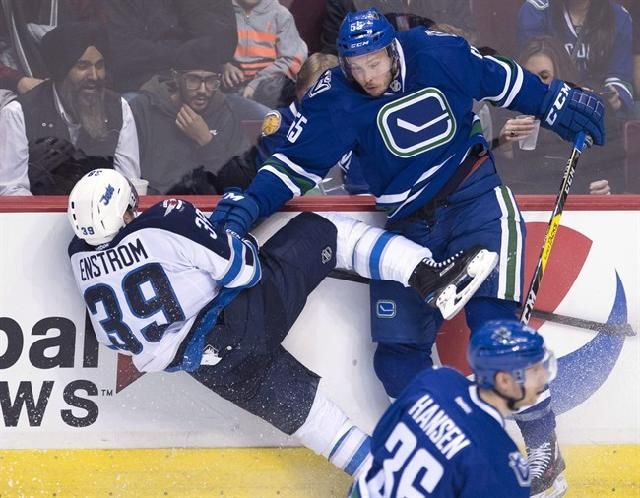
[178, 292]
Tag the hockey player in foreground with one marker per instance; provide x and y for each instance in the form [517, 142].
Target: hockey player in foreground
[445, 438]
[403, 103]
[178, 292]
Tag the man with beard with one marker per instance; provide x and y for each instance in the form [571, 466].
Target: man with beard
[188, 132]
[51, 136]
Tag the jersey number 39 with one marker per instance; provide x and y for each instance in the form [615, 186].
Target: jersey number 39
[148, 292]
[403, 467]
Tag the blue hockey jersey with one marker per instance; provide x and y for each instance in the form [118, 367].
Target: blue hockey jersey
[273, 139]
[440, 440]
[409, 140]
[145, 288]
[534, 20]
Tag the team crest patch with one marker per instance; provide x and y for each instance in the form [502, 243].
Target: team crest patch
[271, 123]
[416, 123]
[322, 85]
[385, 308]
[171, 204]
[520, 468]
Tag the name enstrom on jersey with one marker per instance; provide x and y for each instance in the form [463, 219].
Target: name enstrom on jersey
[105, 262]
[438, 427]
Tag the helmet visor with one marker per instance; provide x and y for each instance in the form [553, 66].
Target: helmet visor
[550, 364]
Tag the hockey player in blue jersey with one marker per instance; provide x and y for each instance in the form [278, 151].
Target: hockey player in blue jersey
[445, 438]
[404, 101]
[276, 124]
[178, 292]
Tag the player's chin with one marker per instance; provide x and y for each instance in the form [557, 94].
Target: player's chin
[375, 91]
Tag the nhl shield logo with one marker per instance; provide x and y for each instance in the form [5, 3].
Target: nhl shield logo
[327, 254]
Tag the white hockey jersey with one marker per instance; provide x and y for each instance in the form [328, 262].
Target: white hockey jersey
[145, 289]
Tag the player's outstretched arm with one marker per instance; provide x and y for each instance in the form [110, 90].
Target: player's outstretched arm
[381, 255]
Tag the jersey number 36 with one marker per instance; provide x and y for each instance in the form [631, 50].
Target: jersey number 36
[403, 467]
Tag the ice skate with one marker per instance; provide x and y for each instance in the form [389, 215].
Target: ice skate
[546, 466]
[449, 284]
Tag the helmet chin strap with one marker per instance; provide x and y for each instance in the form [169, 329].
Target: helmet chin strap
[511, 402]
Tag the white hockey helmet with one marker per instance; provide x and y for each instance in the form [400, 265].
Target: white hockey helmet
[97, 205]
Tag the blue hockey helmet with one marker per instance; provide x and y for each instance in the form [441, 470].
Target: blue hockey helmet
[507, 346]
[364, 32]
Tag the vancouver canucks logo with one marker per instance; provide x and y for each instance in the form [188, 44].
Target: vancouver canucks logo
[322, 85]
[520, 468]
[416, 123]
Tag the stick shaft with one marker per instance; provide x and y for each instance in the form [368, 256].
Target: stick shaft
[552, 228]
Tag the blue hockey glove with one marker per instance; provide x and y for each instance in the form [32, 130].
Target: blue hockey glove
[567, 111]
[236, 212]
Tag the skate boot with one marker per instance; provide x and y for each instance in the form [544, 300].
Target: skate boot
[448, 285]
[546, 467]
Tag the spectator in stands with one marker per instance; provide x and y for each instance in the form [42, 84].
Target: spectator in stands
[31, 20]
[597, 36]
[149, 37]
[69, 125]
[269, 53]
[403, 14]
[188, 132]
[634, 12]
[539, 171]
[276, 125]
[11, 78]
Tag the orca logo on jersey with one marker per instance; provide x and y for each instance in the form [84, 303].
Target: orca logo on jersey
[520, 468]
[322, 85]
[416, 123]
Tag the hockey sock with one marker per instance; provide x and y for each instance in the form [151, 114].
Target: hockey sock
[328, 432]
[538, 422]
[375, 253]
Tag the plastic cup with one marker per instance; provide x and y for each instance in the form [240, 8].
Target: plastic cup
[140, 184]
[529, 142]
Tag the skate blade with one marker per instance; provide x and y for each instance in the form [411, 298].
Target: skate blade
[557, 489]
[450, 301]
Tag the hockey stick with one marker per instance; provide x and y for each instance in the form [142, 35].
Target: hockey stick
[571, 321]
[607, 328]
[581, 141]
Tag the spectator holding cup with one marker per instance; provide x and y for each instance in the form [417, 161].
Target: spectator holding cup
[535, 158]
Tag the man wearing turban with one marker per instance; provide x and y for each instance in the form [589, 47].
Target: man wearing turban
[68, 125]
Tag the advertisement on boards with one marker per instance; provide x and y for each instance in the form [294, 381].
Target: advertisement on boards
[60, 389]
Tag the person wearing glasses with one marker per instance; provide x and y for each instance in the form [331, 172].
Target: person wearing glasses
[188, 131]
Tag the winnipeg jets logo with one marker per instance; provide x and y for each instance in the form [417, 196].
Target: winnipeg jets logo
[322, 85]
[108, 194]
[171, 204]
[520, 468]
